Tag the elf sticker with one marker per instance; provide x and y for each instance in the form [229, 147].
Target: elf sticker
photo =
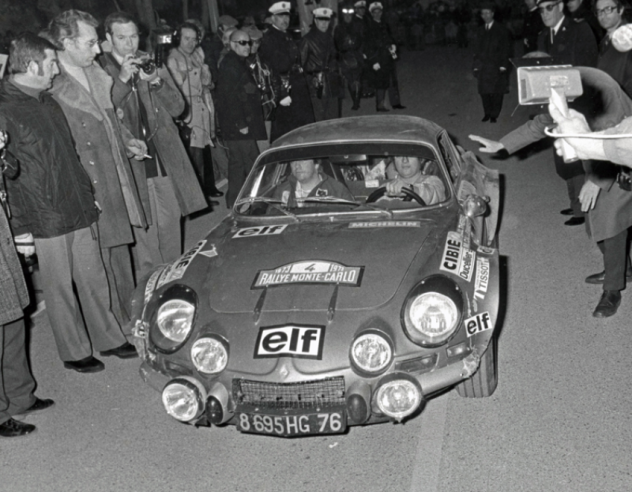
[478, 323]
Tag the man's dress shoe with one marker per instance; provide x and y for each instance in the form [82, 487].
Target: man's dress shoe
[88, 364]
[38, 406]
[485, 118]
[608, 304]
[399, 106]
[567, 211]
[215, 193]
[598, 278]
[382, 110]
[15, 428]
[573, 221]
[125, 351]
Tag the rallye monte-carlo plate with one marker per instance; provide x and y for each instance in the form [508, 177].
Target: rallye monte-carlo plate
[310, 272]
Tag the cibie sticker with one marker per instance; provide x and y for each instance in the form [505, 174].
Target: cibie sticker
[260, 231]
[478, 323]
[304, 342]
[456, 259]
[175, 271]
[310, 272]
[151, 284]
[482, 278]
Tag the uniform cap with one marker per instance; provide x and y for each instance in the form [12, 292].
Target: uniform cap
[360, 3]
[375, 5]
[280, 8]
[228, 21]
[323, 13]
[540, 2]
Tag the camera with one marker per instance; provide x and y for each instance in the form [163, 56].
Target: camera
[148, 66]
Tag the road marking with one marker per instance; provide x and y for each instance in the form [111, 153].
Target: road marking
[425, 475]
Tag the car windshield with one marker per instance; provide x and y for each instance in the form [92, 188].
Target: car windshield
[380, 183]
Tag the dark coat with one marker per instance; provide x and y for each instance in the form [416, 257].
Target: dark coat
[348, 39]
[100, 143]
[14, 296]
[162, 105]
[574, 44]
[319, 55]
[238, 101]
[531, 29]
[52, 195]
[377, 41]
[279, 52]
[584, 13]
[491, 53]
[616, 64]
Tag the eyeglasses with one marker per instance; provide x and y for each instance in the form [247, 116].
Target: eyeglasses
[243, 42]
[548, 8]
[605, 11]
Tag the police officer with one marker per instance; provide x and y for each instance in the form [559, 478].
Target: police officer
[348, 38]
[279, 51]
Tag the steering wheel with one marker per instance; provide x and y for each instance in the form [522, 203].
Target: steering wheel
[408, 192]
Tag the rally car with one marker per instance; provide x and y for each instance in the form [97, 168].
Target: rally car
[302, 315]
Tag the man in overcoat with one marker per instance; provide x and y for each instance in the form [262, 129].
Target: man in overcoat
[83, 90]
[147, 104]
[53, 208]
[567, 43]
[280, 52]
[240, 113]
[16, 382]
[491, 63]
[348, 37]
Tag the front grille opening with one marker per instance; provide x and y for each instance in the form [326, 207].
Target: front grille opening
[306, 394]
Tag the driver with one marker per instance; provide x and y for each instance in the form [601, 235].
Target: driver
[306, 181]
[430, 188]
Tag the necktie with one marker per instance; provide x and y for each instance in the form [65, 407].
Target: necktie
[552, 35]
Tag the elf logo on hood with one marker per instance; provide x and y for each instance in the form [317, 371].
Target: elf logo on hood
[260, 231]
[299, 341]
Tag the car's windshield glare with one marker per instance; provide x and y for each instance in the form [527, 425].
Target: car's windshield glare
[333, 184]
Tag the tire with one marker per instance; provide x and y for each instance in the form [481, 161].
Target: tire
[484, 381]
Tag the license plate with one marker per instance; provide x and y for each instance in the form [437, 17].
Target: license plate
[292, 425]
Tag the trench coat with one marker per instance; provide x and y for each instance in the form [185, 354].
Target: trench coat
[14, 296]
[100, 144]
[162, 105]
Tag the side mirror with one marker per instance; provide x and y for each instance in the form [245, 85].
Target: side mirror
[475, 206]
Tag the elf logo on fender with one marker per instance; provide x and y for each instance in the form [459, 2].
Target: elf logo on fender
[304, 342]
[478, 323]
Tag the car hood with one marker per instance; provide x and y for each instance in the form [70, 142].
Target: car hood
[299, 268]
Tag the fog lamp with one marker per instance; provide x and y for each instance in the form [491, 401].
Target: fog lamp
[398, 397]
[183, 398]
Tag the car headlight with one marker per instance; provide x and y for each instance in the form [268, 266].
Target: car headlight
[398, 396]
[432, 312]
[371, 352]
[183, 398]
[209, 355]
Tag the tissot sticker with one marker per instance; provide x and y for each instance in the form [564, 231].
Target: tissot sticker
[457, 259]
[482, 278]
[384, 223]
[310, 272]
[175, 271]
[151, 284]
[478, 323]
[304, 342]
[210, 253]
[260, 231]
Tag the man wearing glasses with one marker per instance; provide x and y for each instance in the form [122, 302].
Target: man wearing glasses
[568, 43]
[240, 113]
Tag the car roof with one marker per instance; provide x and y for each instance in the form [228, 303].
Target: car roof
[385, 128]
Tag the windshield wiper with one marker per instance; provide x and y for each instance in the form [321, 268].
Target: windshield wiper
[377, 209]
[272, 202]
[327, 199]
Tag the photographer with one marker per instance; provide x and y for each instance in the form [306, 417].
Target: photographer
[147, 100]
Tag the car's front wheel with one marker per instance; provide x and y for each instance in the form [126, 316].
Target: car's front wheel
[484, 381]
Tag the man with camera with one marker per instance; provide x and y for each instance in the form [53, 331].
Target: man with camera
[147, 100]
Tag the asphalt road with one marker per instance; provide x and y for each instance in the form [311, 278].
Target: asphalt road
[559, 421]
